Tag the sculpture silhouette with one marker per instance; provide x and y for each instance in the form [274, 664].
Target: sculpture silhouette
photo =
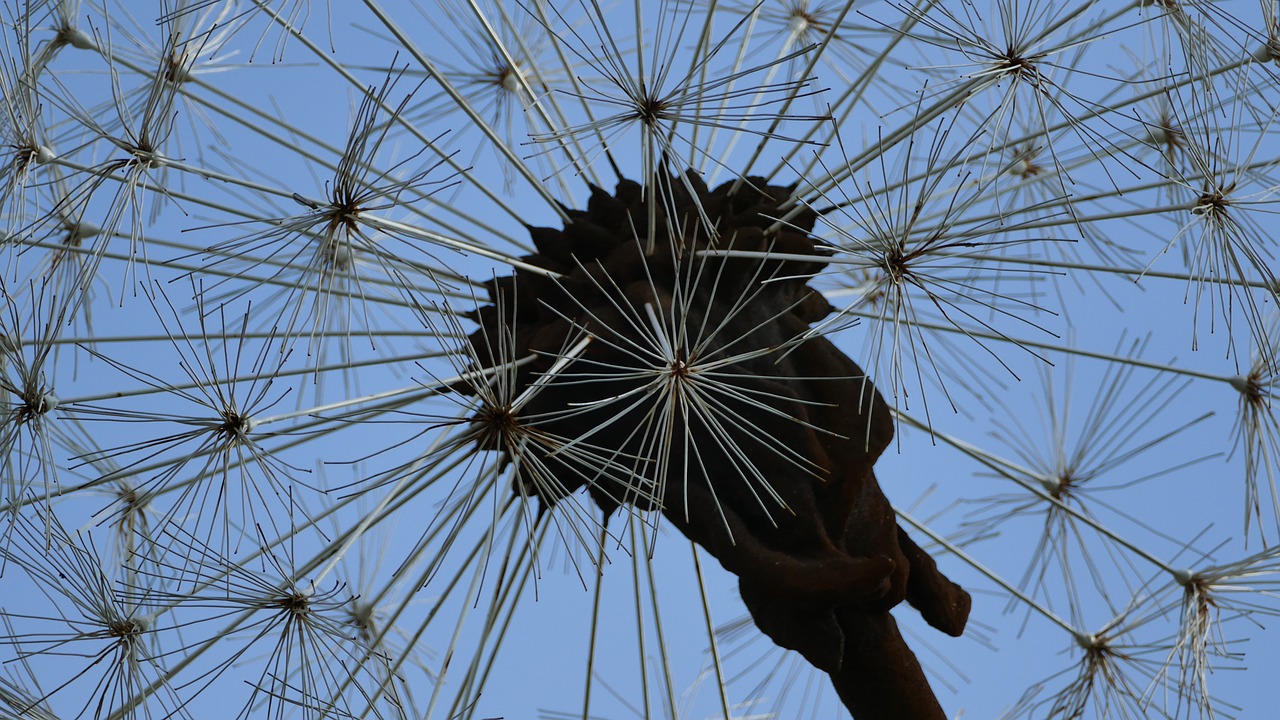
[821, 562]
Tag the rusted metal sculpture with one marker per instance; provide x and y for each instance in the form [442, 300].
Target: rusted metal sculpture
[821, 562]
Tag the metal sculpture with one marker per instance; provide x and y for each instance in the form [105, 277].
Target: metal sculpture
[753, 435]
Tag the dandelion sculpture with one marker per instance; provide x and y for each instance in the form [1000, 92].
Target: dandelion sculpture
[691, 358]
[463, 359]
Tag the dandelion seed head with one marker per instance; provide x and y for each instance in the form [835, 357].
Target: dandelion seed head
[1103, 679]
[126, 630]
[26, 156]
[1199, 644]
[336, 253]
[362, 616]
[1100, 656]
[69, 35]
[365, 619]
[35, 403]
[1212, 205]
[896, 265]
[179, 65]
[1252, 389]
[1198, 604]
[651, 110]
[800, 22]
[1025, 165]
[75, 232]
[678, 369]
[1015, 64]
[510, 78]
[499, 428]
[1061, 486]
[1257, 430]
[134, 509]
[294, 604]
[235, 428]
[1165, 134]
[1268, 51]
[145, 154]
